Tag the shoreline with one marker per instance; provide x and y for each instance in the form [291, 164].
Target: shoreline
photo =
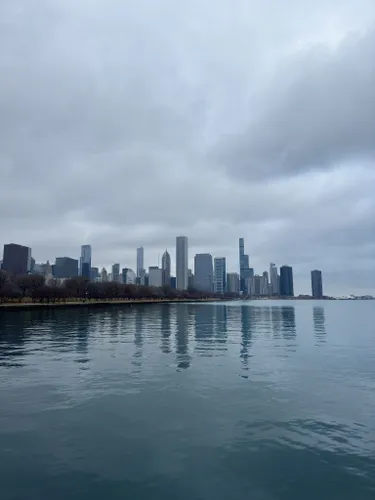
[95, 303]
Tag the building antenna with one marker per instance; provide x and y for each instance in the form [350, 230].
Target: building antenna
[158, 259]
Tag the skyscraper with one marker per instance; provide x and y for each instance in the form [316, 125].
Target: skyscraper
[245, 272]
[94, 273]
[155, 276]
[65, 267]
[203, 271]
[116, 273]
[85, 261]
[191, 279]
[264, 284]
[181, 262]
[233, 282]
[274, 279]
[16, 259]
[316, 284]
[140, 262]
[166, 267]
[255, 285]
[286, 281]
[128, 276]
[220, 275]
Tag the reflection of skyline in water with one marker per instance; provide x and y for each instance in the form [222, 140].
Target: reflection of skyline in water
[246, 334]
[183, 323]
[204, 326]
[319, 323]
[221, 325]
[283, 320]
[288, 322]
[187, 330]
[166, 326]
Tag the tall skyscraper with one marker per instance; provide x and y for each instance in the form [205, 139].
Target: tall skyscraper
[16, 259]
[166, 267]
[181, 262]
[116, 273]
[286, 281]
[220, 275]
[316, 284]
[85, 261]
[203, 272]
[274, 279]
[245, 272]
[241, 248]
[140, 262]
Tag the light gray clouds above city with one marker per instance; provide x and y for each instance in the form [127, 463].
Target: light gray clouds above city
[127, 123]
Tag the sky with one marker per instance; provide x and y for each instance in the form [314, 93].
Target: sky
[126, 123]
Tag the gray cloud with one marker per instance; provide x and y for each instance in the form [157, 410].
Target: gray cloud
[318, 111]
[127, 123]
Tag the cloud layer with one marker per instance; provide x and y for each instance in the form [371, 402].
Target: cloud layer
[128, 123]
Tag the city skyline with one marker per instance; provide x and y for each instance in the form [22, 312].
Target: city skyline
[208, 274]
[151, 256]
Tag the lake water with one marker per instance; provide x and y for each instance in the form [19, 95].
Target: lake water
[248, 400]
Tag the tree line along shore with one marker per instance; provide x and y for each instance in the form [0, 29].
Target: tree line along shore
[32, 290]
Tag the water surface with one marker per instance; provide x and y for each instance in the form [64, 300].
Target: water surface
[247, 400]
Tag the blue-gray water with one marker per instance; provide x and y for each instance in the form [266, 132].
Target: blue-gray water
[265, 400]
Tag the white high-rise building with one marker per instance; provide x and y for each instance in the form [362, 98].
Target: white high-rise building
[140, 262]
[128, 276]
[155, 276]
[181, 262]
[274, 279]
[233, 282]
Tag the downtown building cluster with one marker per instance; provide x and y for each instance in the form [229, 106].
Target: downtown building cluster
[209, 273]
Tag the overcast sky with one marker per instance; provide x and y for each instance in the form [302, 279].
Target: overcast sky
[129, 122]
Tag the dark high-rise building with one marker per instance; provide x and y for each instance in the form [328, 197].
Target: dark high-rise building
[116, 273]
[316, 284]
[244, 266]
[65, 267]
[85, 261]
[94, 273]
[16, 259]
[220, 275]
[286, 281]
[173, 281]
[203, 272]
